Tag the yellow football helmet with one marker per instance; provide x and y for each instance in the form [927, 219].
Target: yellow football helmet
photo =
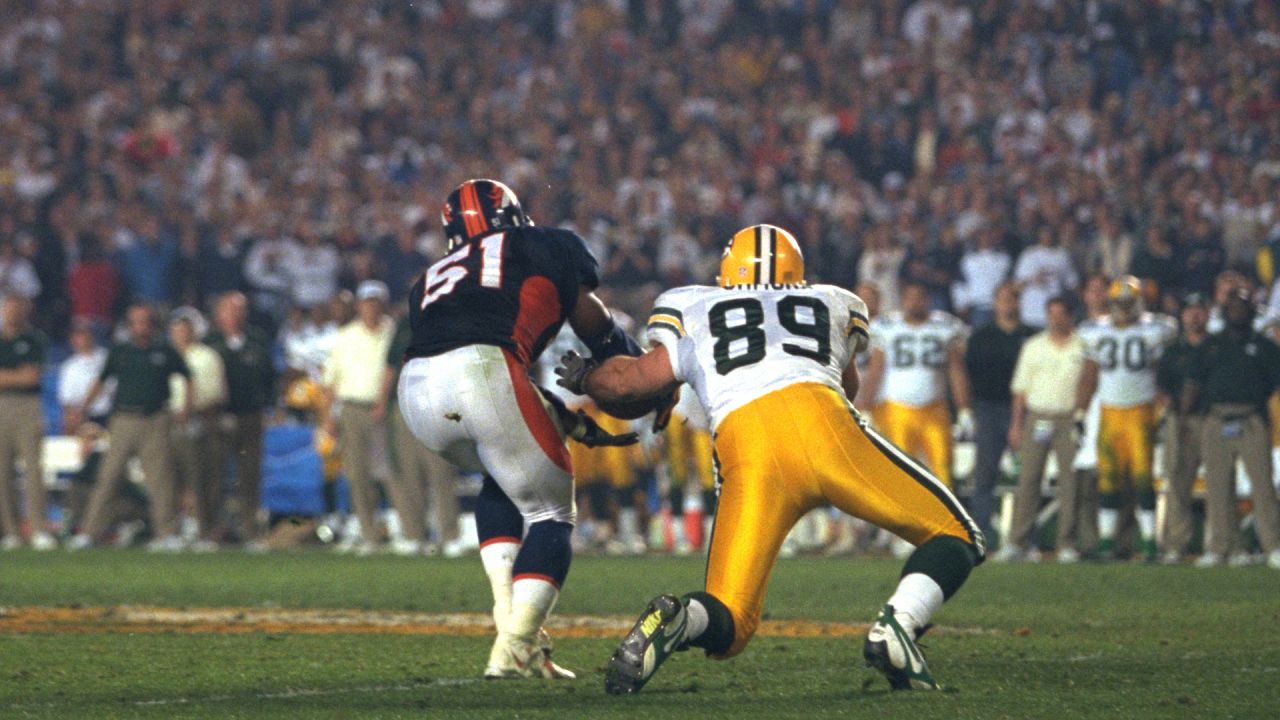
[1125, 288]
[761, 254]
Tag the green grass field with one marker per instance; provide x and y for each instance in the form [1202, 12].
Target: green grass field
[1020, 641]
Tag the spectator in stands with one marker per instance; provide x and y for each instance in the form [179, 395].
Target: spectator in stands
[17, 274]
[93, 286]
[352, 377]
[990, 357]
[139, 426]
[250, 387]
[195, 436]
[149, 266]
[22, 358]
[1043, 271]
[1044, 395]
[983, 269]
[311, 266]
[1155, 261]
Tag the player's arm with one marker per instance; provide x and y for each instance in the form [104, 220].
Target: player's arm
[1087, 386]
[958, 376]
[870, 385]
[632, 379]
[849, 379]
[594, 325]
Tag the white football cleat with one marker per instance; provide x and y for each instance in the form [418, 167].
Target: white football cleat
[1068, 556]
[10, 542]
[892, 650]
[513, 658]
[167, 544]
[1273, 559]
[1208, 560]
[79, 542]
[43, 542]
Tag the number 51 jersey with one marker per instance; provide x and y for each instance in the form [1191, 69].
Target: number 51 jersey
[512, 288]
[733, 345]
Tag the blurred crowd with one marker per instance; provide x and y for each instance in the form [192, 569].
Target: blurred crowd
[169, 152]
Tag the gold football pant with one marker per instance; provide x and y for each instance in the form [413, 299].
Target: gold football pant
[615, 466]
[686, 445]
[922, 432]
[1125, 450]
[791, 451]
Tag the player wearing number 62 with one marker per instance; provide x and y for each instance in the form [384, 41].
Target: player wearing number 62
[1122, 356]
[772, 360]
[480, 317]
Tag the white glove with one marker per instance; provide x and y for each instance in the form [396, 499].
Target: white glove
[964, 424]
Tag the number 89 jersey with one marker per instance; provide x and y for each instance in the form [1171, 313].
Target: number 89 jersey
[733, 345]
[1127, 356]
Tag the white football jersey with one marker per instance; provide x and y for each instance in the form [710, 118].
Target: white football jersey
[733, 345]
[1127, 357]
[915, 356]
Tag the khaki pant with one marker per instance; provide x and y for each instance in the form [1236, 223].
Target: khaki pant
[1042, 434]
[355, 444]
[197, 455]
[420, 471]
[1231, 432]
[241, 440]
[146, 436]
[21, 436]
[1181, 462]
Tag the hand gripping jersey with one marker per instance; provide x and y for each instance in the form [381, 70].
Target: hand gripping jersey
[915, 356]
[512, 288]
[1127, 357]
[733, 345]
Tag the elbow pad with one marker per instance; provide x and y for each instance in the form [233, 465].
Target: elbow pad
[611, 342]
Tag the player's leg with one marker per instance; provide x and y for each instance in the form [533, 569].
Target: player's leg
[1110, 476]
[766, 487]
[1140, 430]
[530, 464]
[935, 436]
[865, 475]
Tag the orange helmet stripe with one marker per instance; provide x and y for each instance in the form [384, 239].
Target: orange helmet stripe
[472, 214]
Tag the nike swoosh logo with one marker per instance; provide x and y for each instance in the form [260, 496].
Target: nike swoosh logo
[676, 636]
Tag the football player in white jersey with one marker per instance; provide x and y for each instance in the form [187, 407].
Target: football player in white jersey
[915, 354]
[1123, 353]
[772, 360]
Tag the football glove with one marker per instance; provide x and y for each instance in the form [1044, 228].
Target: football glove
[573, 371]
[964, 428]
[580, 427]
[588, 432]
[662, 416]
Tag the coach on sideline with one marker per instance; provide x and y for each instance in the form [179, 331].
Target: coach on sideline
[1044, 394]
[139, 425]
[1234, 374]
[22, 352]
[352, 377]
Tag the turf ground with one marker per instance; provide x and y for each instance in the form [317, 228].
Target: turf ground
[1020, 641]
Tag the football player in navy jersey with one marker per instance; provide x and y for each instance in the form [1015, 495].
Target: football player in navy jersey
[481, 316]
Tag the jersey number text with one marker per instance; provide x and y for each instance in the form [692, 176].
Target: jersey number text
[814, 325]
[445, 275]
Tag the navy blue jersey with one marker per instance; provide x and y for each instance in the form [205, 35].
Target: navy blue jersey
[512, 288]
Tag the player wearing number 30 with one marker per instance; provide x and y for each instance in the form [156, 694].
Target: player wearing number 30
[480, 317]
[1122, 355]
[772, 360]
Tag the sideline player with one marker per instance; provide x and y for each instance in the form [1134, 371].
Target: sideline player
[772, 359]
[915, 353]
[480, 317]
[1122, 355]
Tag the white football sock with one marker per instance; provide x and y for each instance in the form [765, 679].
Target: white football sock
[531, 602]
[628, 524]
[698, 620]
[1147, 524]
[498, 558]
[1108, 519]
[917, 598]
